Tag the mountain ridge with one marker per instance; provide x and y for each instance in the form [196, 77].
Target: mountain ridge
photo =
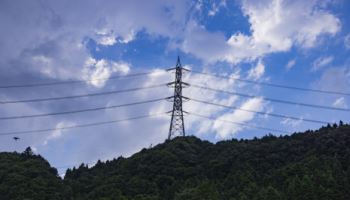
[309, 165]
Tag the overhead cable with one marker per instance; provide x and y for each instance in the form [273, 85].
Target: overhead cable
[273, 84]
[238, 123]
[81, 95]
[261, 113]
[79, 125]
[75, 81]
[81, 110]
[271, 99]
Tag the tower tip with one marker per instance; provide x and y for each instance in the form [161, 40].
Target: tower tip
[178, 63]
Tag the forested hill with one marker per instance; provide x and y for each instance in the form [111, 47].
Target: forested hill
[28, 176]
[310, 165]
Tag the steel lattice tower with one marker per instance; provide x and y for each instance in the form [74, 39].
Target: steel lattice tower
[177, 126]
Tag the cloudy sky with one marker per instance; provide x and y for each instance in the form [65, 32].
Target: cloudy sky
[297, 43]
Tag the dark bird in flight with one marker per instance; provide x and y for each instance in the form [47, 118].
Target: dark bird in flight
[16, 138]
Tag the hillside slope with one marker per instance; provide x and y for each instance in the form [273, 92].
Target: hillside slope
[310, 165]
[28, 176]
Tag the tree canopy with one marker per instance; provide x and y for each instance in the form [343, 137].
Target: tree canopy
[309, 165]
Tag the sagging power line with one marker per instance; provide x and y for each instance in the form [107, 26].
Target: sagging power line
[81, 110]
[177, 120]
[261, 113]
[80, 125]
[82, 95]
[238, 123]
[273, 84]
[273, 100]
[76, 81]
[39, 131]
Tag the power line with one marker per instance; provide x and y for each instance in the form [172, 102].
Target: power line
[273, 84]
[80, 126]
[273, 100]
[81, 95]
[82, 110]
[74, 81]
[261, 113]
[239, 123]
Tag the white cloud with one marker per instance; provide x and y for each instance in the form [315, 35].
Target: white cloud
[205, 45]
[128, 38]
[322, 62]
[334, 79]
[199, 126]
[54, 43]
[268, 110]
[216, 7]
[257, 72]
[54, 46]
[106, 38]
[97, 72]
[35, 150]
[57, 133]
[226, 130]
[347, 41]
[275, 26]
[57, 32]
[340, 103]
[280, 23]
[290, 64]
[109, 38]
[292, 122]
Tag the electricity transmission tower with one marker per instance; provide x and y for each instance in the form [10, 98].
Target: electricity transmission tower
[177, 126]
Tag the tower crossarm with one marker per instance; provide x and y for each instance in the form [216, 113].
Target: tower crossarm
[177, 126]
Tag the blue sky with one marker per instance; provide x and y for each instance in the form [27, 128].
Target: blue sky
[298, 43]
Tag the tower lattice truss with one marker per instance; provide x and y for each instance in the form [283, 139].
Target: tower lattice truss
[177, 126]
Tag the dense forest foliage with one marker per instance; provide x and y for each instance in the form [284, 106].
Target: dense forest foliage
[310, 165]
[28, 176]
